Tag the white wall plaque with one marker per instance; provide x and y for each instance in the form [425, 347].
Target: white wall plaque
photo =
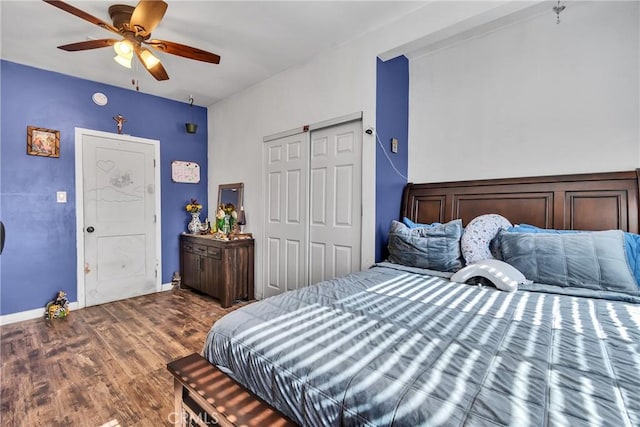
[182, 171]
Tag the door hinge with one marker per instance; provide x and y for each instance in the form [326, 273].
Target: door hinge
[156, 273]
[155, 218]
[154, 163]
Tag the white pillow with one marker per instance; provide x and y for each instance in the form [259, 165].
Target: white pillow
[478, 234]
[504, 276]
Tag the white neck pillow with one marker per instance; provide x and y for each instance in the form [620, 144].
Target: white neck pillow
[504, 276]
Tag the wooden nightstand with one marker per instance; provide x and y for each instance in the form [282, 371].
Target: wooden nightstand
[222, 269]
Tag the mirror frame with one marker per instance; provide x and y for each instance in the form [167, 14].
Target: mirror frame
[238, 186]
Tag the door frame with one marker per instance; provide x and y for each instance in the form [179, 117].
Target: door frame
[79, 152]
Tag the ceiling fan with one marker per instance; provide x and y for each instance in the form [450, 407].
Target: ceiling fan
[134, 25]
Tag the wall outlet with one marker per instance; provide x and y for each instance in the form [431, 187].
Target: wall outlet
[61, 197]
[394, 145]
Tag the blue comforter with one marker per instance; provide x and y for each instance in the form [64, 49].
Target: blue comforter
[391, 347]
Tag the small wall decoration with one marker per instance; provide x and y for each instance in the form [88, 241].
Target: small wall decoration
[182, 171]
[43, 142]
[120, 120]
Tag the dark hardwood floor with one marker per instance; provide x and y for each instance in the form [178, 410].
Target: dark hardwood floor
[102, 363]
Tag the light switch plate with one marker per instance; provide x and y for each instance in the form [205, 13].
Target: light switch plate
[394, 145]
[61, 197]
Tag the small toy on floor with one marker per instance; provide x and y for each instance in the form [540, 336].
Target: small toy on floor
[58, 308]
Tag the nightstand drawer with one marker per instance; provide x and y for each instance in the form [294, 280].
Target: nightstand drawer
[194, 248]
[214, 252]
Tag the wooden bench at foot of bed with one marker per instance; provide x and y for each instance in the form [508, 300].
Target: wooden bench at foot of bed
[205, 396]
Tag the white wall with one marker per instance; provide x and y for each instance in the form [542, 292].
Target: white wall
[533, 98]
[339, 82]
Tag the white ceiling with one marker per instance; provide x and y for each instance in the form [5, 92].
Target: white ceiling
[256, 39]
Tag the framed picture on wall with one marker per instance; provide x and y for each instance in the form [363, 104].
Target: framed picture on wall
[43, 142]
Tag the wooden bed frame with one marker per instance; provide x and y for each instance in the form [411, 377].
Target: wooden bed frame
[595, 201]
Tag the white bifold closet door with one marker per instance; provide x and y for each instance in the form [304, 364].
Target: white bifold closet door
[287, 169]
[313, 205]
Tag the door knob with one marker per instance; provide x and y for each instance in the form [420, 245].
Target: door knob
[90, 229]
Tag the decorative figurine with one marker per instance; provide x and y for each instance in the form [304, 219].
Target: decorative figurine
[58, 308]
[176, 280]
[120, 119]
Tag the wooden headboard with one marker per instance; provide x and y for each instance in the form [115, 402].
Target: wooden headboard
[596, 201]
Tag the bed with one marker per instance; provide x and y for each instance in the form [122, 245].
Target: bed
[405, 346]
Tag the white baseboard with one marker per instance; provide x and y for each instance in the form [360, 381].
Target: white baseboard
[7, 319]
[29, 314]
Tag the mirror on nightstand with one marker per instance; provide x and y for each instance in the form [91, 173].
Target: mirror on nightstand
[231, 193]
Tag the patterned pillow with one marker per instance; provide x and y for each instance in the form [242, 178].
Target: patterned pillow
[478, 234]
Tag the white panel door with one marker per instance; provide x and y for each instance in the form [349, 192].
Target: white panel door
[335, 201]
[119, 205]
[286, 171]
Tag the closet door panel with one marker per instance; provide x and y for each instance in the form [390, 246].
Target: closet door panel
[286, 235]
[335, 201]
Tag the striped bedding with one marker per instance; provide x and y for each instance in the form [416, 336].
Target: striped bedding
[392, 347]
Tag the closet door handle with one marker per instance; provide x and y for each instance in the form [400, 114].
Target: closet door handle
[90, 229]
[2, 232]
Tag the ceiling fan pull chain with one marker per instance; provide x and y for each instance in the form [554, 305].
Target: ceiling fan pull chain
[134, 81]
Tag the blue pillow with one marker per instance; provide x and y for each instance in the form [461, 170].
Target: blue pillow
[631, 244]
[527, 228]
[434, 248]
[632, 248]
[592, 261]
[412, 224]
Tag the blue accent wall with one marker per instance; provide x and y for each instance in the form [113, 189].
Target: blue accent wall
[392, 121]
[40, 255]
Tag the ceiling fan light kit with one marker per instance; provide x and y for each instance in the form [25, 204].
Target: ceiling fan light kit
[123, 48]
[124, 61]
[124, 53]
[149, 59]
[134, 25]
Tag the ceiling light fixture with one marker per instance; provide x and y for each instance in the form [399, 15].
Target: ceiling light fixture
[125, 62]
[149, 59]
[123, 48]
[133, 26]
[124, 51]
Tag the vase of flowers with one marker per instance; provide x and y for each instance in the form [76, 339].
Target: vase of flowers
[226, 218]
[194, 208]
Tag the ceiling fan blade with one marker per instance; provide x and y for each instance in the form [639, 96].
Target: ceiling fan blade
[157, 71]
[184, 51]
[82, 14]
[147, 15]
[89, 44]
